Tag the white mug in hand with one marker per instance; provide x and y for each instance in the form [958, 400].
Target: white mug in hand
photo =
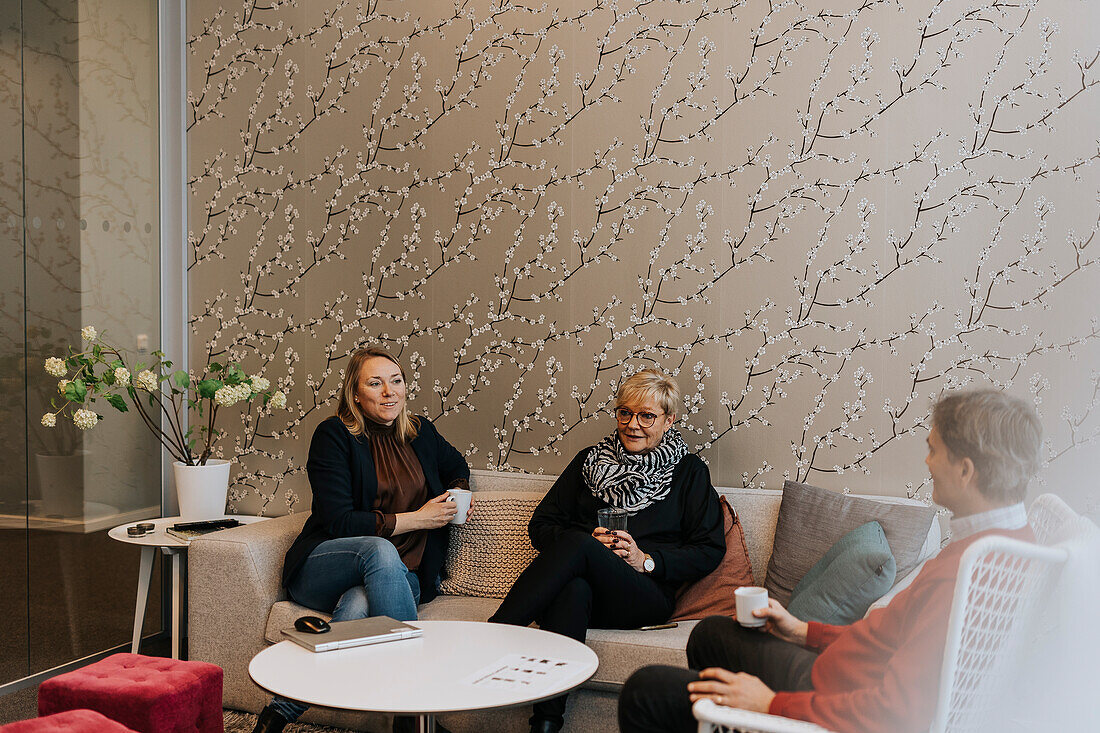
[462, 499]
[749, 598]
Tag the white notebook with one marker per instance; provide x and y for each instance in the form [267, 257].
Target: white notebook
[346, 634]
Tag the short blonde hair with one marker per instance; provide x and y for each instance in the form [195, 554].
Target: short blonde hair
[1000, 433]
[348, 410]
[654, 383]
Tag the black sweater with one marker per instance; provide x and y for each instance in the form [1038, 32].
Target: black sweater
[344, 483]
[683, 531]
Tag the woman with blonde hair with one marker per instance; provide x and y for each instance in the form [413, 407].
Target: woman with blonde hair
[375, 541]
[586, 576]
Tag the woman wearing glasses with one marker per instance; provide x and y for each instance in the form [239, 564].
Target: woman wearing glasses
[586, 576]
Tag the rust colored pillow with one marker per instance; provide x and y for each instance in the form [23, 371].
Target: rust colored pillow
[712, 595]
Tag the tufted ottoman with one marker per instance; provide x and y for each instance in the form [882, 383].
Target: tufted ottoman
[148, 694]
[70, 721]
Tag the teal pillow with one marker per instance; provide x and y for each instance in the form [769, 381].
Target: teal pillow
[857, 571]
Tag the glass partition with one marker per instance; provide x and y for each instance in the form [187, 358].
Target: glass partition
[13, 422]
[79, 239]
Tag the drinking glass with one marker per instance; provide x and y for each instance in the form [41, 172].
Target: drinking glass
[612, 518]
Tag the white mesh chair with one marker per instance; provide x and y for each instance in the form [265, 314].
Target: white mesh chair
[1000, 584]
[1050, 519]
[715, 718]
[996, 596]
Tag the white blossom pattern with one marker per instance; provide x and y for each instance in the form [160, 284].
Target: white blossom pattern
[817, 216]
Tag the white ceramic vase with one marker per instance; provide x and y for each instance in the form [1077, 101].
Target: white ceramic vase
[61, 484]
[201, 490]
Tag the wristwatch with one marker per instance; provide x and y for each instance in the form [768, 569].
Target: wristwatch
[648, 564]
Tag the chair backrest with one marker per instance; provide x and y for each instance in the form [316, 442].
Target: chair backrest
[1050, 519]
[997, 594]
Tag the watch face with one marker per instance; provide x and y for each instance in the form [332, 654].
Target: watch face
[648, 564]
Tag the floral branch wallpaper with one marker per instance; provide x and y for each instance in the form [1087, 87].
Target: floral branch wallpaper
[818, 216]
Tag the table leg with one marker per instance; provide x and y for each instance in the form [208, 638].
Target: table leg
[177, 590]
[425, 723]
[145, 576]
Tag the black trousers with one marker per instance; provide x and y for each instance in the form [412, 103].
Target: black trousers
[655, 699]
[577, 584]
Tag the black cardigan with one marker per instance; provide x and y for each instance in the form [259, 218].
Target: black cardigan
[345, 483]
[683, 532]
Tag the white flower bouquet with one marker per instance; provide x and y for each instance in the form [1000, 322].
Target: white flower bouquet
[99, 372]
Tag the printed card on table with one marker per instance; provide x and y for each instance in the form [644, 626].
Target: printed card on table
[519, 671]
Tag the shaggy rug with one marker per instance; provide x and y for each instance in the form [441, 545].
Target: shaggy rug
[238, 722]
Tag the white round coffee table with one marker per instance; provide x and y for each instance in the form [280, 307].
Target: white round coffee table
[424, 676]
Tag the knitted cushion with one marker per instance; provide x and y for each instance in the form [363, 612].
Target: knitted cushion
[489, 551]
[70, 721]
[149, 694]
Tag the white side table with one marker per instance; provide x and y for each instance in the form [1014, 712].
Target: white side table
[423, 676]
[175, 548]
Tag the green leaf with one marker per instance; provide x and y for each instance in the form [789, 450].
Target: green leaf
[117, 402]
[158, 353]
[97, 351]
[108, 378]
[234, 375]
[208, 387]
[182, 379]
[76, 391]
[216, 367]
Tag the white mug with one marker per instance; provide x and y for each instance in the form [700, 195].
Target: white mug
[462, 499]
[749, 598]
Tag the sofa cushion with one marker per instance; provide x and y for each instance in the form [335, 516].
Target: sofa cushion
[855, 572]
[812, 520]
[712, 594]
[487, 553]
[757, 511]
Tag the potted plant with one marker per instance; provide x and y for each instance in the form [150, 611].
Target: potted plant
[160, 397]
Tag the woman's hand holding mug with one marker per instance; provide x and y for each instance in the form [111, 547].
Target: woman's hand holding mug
[436, 512]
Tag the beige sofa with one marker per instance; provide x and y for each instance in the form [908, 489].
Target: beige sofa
[236, 607]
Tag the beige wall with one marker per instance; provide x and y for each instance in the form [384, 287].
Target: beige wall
[817, 220]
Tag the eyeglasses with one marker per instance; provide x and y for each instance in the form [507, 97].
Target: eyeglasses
[645, 419]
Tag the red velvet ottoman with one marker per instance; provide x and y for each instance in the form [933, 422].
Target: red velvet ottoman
[70, 721]
[148, 694]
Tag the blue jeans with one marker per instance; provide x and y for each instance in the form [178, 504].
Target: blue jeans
[352, 577]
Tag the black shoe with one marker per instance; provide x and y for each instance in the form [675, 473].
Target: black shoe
[545, 725]
[407, 724]
[270, 721]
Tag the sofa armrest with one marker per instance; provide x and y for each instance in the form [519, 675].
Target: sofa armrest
[233, 578]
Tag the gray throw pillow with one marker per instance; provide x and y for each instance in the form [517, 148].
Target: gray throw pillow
[855, 572]
[812, 520]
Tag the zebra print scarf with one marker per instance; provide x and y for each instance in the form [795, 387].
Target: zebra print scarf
[633, 481]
